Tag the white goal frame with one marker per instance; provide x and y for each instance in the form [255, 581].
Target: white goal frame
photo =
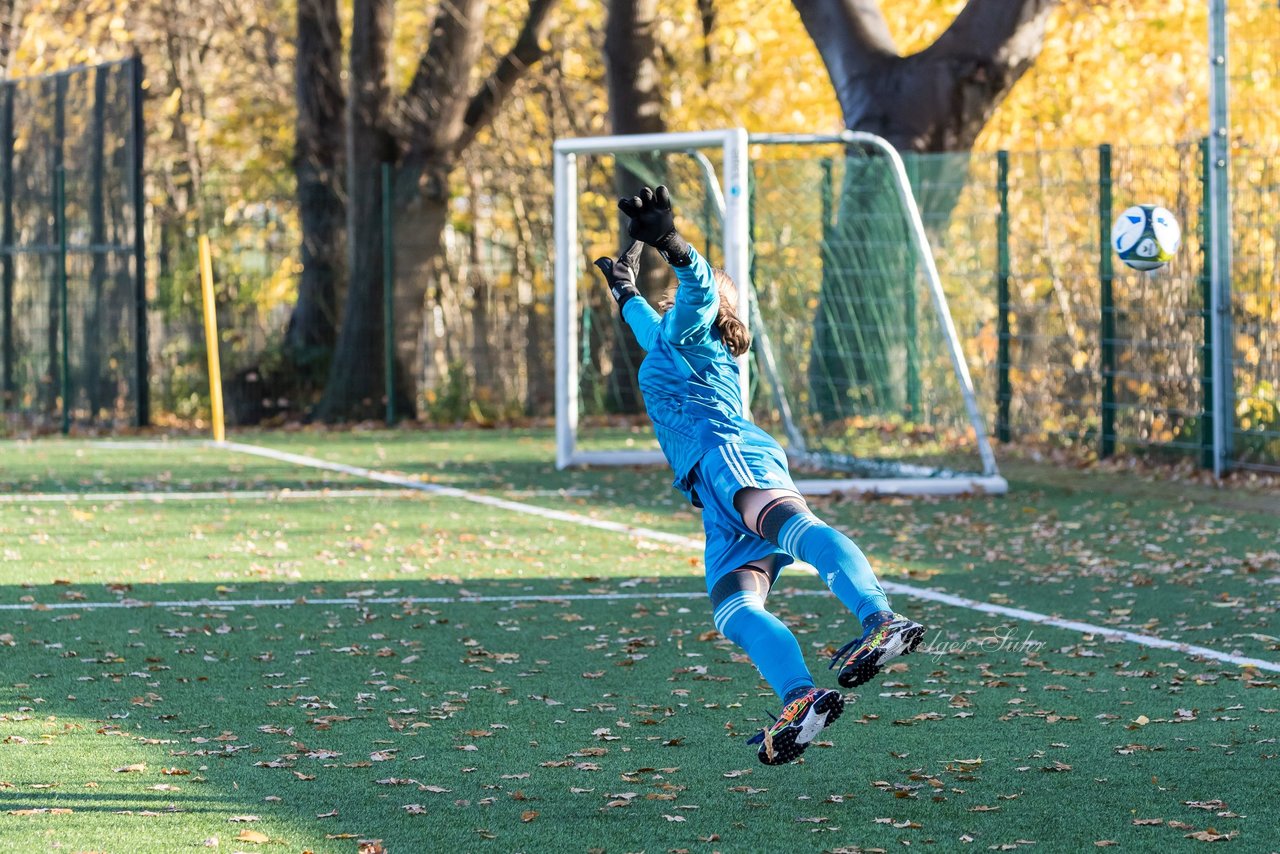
[731, 197]
[737, 263]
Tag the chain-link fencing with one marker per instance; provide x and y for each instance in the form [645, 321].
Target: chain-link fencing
[73, 336]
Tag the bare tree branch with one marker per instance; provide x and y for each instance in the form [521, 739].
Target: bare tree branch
[939, 98]
[436, 101]
[853, 39]
[526, 52]
[707, 17]
[996, 29]
[10, 20]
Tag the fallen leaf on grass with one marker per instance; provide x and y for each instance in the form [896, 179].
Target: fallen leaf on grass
[1144, 822]
[239, 818]
[673, 817]
[131, 769]
[414, 809]
[529, 815]
[1212, 806]
[1211, 835]
[254, 836]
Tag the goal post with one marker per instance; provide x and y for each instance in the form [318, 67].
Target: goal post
[831, 319]
[569, 263]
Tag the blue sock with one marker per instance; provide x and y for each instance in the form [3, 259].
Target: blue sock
[766, 640]
[838, 560]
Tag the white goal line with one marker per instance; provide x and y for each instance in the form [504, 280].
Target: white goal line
[893, 587]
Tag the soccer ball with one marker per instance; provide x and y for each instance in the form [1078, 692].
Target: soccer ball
[1146, 236]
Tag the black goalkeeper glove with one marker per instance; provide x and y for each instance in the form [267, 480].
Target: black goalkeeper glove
[653, 222]
[621, 274]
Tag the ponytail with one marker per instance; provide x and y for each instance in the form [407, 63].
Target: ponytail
[733, 332]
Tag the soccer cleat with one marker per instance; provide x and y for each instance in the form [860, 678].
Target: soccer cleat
[801, 720]
[885, 639]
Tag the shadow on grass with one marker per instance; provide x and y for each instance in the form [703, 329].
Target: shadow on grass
[282, 712]
[485, 716]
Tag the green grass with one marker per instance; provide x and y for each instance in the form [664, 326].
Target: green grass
[180, 465]
[572, 724]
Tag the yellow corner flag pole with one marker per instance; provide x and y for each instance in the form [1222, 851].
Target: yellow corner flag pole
[211, 339]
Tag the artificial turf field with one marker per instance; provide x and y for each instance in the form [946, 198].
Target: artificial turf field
[432, 672]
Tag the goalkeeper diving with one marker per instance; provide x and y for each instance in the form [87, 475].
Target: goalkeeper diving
[755, 519]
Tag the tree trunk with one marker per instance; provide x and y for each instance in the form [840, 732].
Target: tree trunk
[356, 384]
[936, 100]
[318, 160]
[434, 123]
[484, 371]
[421, 270]
[635, 106]
[860, 332]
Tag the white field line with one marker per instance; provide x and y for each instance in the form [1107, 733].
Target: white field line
[474, 497]
[1116, 635]
[232, 604]
[223, 495]
[660, 536]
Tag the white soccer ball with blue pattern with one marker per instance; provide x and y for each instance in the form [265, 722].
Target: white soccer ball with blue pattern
[1146, 236]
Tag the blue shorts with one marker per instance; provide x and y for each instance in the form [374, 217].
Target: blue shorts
[720, 475]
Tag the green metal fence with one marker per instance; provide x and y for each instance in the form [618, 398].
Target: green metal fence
[73, 332]
[1072, 347]
[1065, 344]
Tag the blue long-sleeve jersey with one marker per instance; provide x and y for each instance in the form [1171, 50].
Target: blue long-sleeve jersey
[689, 379]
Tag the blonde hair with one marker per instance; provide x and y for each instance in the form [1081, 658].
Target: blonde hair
[733, 332]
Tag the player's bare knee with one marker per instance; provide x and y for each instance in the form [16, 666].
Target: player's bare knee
[752, 503]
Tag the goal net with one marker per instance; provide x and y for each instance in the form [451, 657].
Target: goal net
[856, 366]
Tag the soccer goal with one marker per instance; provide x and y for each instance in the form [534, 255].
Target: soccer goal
[856, 364]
